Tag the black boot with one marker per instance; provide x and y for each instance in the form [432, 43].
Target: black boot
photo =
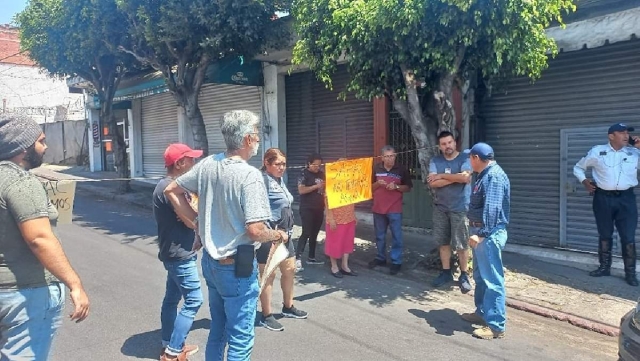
[604, 254]
[629, 258]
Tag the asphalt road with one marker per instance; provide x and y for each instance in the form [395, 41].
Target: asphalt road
[371, 317]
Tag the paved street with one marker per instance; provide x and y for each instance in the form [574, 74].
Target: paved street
[373, 316]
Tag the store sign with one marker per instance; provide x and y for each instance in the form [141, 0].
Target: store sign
[235, 71]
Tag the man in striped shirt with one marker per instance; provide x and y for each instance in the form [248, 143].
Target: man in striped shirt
[488, 218]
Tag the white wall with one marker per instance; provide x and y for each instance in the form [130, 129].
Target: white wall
[26, 90]
[274, 109]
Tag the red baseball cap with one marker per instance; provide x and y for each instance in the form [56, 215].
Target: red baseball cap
[177, 151]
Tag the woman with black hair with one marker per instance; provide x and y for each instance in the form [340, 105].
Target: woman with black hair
[311, 189]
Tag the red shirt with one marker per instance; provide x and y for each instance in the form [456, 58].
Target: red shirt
[389, 201]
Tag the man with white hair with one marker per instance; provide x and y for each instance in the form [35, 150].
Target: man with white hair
[232, 210]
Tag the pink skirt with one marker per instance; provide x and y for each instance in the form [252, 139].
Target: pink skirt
[340, 241]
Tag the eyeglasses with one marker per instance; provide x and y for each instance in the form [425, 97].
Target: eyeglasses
[314, 165]
[280, 164]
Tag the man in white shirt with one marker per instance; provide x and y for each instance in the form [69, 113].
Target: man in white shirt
[615, 167]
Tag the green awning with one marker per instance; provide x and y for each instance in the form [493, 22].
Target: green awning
[229, 71]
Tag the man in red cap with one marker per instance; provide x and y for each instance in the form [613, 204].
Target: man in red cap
[178, 253]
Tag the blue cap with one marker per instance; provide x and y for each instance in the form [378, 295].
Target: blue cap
[482, 150]
[620, 127]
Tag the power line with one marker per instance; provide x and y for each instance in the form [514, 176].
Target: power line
[12, 55]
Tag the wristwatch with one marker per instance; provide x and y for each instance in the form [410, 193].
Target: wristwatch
[397, 186]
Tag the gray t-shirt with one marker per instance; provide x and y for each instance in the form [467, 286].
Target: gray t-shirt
[454, 197]
[22, 198]
[231, 194]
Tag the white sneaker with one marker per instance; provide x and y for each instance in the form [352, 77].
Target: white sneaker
[299, 267]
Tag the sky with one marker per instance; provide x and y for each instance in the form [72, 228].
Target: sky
[10, 8]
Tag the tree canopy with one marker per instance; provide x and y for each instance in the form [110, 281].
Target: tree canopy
[433, 38]
[403, 48]
[80, 38]
[182, 38]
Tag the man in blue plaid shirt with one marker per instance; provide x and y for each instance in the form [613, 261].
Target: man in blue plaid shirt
[488, 218]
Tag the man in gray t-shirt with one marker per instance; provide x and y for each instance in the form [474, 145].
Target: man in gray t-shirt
[34, 269]
[449, 177]
[232, 210]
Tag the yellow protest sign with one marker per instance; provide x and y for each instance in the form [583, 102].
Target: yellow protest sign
[348, 181]
[61, 194]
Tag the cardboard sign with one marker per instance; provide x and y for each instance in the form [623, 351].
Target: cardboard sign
[61, 194]
[349, 181]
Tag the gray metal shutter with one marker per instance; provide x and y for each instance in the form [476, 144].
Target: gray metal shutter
[217, 99]
[586, 88]
[577, 224]
[301, 127]
[159, 129]
[317, 121]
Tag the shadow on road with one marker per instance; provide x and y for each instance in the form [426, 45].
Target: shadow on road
[147, 345]
[445, 322]
[114, 219]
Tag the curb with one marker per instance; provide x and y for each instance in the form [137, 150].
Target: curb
[578, 321]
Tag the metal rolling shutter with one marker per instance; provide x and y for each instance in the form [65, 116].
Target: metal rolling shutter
[217, 99]
[159, 129]
[586, 88]
[317, 121]
[301, 127]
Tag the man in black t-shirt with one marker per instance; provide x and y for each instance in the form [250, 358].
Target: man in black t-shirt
[178, 253]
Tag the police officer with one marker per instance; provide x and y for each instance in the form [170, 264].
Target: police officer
[614, 175]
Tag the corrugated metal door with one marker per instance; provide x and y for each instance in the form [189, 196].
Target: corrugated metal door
[577, 225]
[217, 99]
[317, 121]
[594, 87]
[159, 129]
[301, 127]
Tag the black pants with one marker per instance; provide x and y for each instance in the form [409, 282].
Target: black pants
[619, 209]
[311, 223]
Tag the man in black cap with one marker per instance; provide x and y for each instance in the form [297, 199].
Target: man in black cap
[33, 267]
[615, 167]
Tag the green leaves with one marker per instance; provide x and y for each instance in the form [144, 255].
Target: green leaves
[432, 37]
[74, 37]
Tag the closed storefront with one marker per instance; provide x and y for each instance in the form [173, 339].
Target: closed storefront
[540, 131]
[217, 99]
[159, 124]
[319, 122]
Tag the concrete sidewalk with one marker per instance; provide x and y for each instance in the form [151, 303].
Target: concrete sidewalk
[550, 283]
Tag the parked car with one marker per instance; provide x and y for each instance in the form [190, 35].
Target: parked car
[629, 339]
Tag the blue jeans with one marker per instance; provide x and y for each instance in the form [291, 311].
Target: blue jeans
[380, 223]
[232, 302]
[182, 281]
[29, 319]
[488, 274]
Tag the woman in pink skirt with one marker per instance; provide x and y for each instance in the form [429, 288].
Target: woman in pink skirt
[340, 238]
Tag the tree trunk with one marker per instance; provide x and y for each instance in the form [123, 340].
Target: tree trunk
[425, 128]
[119, 147]
[196, 121]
